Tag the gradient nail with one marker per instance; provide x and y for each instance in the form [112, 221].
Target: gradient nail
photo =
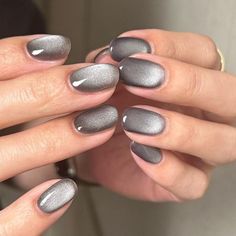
[126, 46]
[49, 48]
[96, 119]
[101, 54]
[143, 121]
[95, 78]
[57, 196]
[147, 153]
[141, 73]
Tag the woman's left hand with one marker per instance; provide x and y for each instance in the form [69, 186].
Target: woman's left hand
[187, 116]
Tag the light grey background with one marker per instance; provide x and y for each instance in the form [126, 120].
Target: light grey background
[93, 23]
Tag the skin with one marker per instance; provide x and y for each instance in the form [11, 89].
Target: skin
[189, 145]
[189, 148]
[39, 90]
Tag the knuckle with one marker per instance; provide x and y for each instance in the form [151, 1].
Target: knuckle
[200, 190]
[211, 52]
[166, 45]
[48, 142]
[193, 84]
[183, 136]
[42, 91]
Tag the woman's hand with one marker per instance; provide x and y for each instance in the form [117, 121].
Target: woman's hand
[34, 85]
[184, 111]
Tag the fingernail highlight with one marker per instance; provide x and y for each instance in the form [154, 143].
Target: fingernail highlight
[95, 78]
[141, 73]
[101, 54]
[57, 196]
[96, 119]
[143, 121]
[147, 153]
[49, 48]
[126, 46]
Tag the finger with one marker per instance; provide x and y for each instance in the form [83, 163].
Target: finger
[183, 180]
[20, 55]
[56, 140]
[187, 47]
[213, 143]
[38, 209]
[55, 91]
[171, 81]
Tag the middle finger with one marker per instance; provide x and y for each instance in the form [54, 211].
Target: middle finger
[171, 81]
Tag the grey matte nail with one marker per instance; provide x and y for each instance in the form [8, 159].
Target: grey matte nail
[49, 48]
[147, 153]
[96, 119]
[100, 55]
[141, 73]
[95, 78]
[126, 46]
[57, 196]
[143, 121]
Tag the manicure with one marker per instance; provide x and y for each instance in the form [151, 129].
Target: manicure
[96, 119]
[147, 153]
[126, 46]
[101, 54]
[141, 73]
[49, 48]
[143, 121]
[57, 196]
[95, 78]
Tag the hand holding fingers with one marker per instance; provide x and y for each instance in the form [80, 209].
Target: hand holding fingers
[38, 209]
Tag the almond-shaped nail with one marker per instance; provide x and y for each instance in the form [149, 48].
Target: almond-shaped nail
[49, 48]
[126, 46]
[95, 78]
[57, 196]
[147, 153]
[96, 119]
[143, 121]
[141, 73]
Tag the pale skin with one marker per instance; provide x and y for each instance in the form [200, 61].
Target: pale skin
[189, 145]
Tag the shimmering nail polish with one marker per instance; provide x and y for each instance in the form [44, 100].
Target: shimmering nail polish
[126, 46]
[95, 78]
[141, 73]
[57, 196]
[96, 119]
[100, 55]
[143, 121]
[49, 48]
[147, 153]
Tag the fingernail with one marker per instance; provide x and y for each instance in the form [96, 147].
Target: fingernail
[96, 119]
[57, 196]
[101, 54]
[49, 48]
[95, 78]
[126, 46]
[147, 153]
[141, 73]
[143, 121]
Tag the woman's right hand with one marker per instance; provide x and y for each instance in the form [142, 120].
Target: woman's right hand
[35, 85]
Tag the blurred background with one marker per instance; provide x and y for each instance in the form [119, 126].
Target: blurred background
[93, 23]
